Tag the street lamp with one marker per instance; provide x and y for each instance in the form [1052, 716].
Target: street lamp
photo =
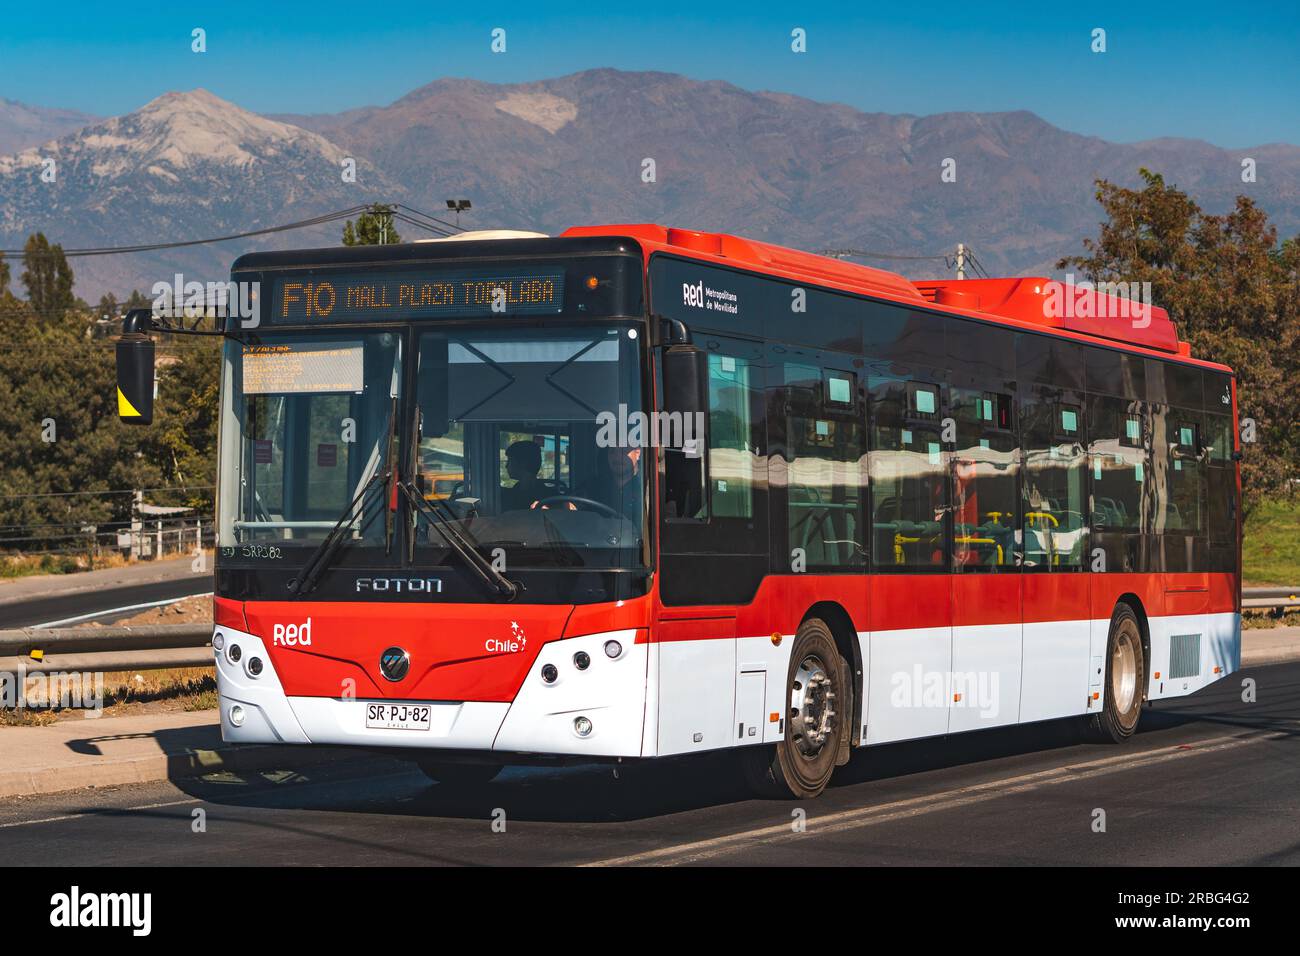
[458, 206]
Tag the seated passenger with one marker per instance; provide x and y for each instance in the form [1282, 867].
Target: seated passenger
[523, 462]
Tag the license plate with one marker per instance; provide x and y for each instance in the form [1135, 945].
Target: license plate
[398, 716]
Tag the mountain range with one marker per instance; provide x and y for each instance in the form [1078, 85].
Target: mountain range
[574, 149]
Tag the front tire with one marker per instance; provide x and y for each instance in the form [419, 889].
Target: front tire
[1125, 680]
[816, 719]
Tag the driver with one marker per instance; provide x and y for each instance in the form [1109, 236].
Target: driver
[523, 462]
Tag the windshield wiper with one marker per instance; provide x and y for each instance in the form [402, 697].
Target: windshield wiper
[320, 558]
[452, 535]
[324, 554]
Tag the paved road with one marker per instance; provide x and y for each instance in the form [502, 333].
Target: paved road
[32, 601]
[1210, 780]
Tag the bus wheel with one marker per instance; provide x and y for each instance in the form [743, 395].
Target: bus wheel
[459, 774]
[800, 766]
[1125, 680]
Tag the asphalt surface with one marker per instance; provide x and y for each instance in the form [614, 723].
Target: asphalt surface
[1208, 780]
[59, 603]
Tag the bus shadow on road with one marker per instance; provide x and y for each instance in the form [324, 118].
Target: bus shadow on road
[592, 793]
[365, 783]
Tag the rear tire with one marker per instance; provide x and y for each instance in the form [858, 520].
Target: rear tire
[800, 766]
[1126, 680]
[459, 774]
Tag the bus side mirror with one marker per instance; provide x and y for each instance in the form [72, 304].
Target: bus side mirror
[135, 377]
[686, 400]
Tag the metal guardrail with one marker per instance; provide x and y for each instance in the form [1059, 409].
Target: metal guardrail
[146, 647]
[1277, 601]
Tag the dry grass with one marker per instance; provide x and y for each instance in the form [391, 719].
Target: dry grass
[28, 565]
[1256, 620]
[130, 692]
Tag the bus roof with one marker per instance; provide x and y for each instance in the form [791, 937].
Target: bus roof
[1082, 309]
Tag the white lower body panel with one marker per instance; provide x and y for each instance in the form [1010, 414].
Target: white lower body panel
[696, 695]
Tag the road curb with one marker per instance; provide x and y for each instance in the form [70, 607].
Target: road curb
[1276, 645]
[153, 768]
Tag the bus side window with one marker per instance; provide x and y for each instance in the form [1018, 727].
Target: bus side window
[1185, 502]
[909, 487]
[984, 473]
[731, 449]
[1221, 482]
[1055, 533]
[731, 518]
[825, 484]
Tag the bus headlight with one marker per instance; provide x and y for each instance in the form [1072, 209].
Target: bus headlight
[613, 649]
[582, 726]
[236, 716]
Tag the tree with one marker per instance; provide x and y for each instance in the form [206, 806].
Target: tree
[1233, 292]
[47, 277]
[136, 300]
[184, 438]
[107, 307]
[62, 447]
[373, 228]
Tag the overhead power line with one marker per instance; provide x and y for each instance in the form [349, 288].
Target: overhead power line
[864, 254]
[423, 215]
[949, 259]
[155, 246]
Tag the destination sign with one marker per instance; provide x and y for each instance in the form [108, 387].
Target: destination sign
[366, 296]
[305, 367]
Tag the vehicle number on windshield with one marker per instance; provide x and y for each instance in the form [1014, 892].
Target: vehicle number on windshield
[398, 716]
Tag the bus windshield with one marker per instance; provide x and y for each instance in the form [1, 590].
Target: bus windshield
[518, 444]
[509, 436]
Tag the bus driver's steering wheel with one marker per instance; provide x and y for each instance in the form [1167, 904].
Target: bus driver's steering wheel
[583, 502]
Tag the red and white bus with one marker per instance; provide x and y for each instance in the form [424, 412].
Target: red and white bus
[634, 492]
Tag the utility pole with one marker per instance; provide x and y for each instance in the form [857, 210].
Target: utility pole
[961, 260]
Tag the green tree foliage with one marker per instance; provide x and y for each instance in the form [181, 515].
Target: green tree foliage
[59, 431]
[373, 228]
[183, 440]
[47, 277]
[136, 300]
[107, 307]
[1232, 290]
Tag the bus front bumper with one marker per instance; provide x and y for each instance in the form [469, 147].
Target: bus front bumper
[596, 711]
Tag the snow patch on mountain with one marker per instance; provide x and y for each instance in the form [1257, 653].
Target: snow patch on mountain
[552, 113]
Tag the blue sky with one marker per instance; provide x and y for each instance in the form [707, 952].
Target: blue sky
[1225, 72]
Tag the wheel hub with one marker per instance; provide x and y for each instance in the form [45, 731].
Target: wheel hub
[1123, 672]
[812, 707]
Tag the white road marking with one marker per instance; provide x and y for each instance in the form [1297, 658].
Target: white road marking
[121, 610]
[180, 803]
[915, 806]
[97, 813]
